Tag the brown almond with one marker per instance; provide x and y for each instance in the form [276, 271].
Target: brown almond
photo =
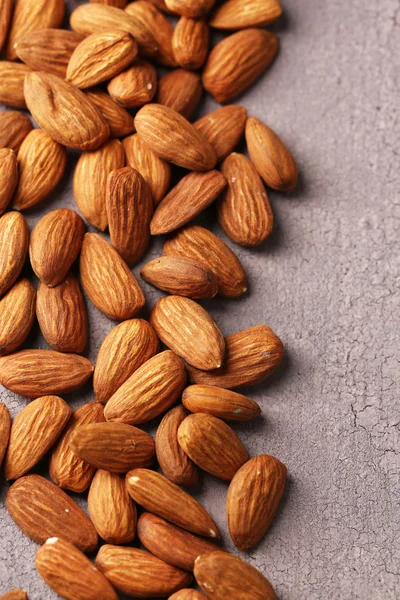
[253, 499]
[12, 77]
[180, 276]
[187, 594]
[180, 90]
[135, 86]
[251, 356]
[220, 403]
[34, 431]
[52, 100]
[14, 127]
[14, 241]
[237, 61]
[151, 390]
[5, 429]
[36, 373]
[166, 500]
[174, 462]
[190, 8]
[223, 128]
[16, 594]
[119, 120]
[41, 165]
[160, 4]
[61, 312]
[41, 510]
[111, 508]
[107, 279]
[8, 176]
[129, 210]
[17, 314]
[116, 3]
[55, 243]
[173, 138]
[6, 8]
[186, 328]
[240, 14]
[190, 43]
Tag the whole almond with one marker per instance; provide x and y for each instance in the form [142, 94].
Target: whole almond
[14, 127]
[219, 402]
[12, 77]
[221, 575]
[36, 373]
[66, 469]
[244, 211]
[100, 57]
[6, 8]
[55, 243]
[160, 4]
[223, 128]
[203, 246]
[173, 138]
[61, 312]
[174, 462]
[52, 100]
[5, 429]
[135, 86]
[17, 314]
[34, 431]
[107, 280]
[129, 210]
[166, 500]
[90, 178]
[236, 62]
[69, 573]
[14, 241]
[253, 499]
[186, 328]
[180, 276]
[180, 90]
[190, 8]
[155, 171]
[240, 14]
[111, 508]
[41, 510]
[16, 594]
[116, 3]
[190, 43]
[8, 176]
[251, 356]
[187, 594]
[138, 573]
[186, 200]
[41, 165]
[151, 390]
[119, 120]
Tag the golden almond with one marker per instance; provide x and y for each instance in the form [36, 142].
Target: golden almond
[8, 176]
[190, 8]
[223, 128]
[17, 314]
[160, 4]
[116, 3]
[16, 594]
[187, 594]
[12, 77]
[219, 402]
[14, 127]
[118, 119]
[135, 86]
[180, 276]
[14, 241]
[6, 9]
[240, 14]
[190, 43]
[5, 429]
[180, 90]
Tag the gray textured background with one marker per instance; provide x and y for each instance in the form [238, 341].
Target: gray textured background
[326, 282]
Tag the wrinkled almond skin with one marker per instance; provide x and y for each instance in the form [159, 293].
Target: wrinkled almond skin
[41, 510]
[174, 462]
[151, 390]
[6, 8]
[14, 127]
[5, 429]
[135, 86]
[69, 573]
[41, 165]
[166, 500]
[253, 499]
[12, 77]
[55, 243]
[17, 314]
[116, 3]
[8, 177]
[66, 469]
[14, 241]
[220, 403]
[111, 508]
[180, 276]
[119, 120]
[187, 594]
[186, 328]
[34, 431]
[223, 128]
[251, 356]
[190, 8]
[240, 14]
[107, 280]
[236, 62]
[190, 43]
[16, 594]
[180, 90]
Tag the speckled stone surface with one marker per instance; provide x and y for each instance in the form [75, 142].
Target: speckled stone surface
[327, 282]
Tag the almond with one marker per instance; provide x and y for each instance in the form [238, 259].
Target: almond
[16, 594]
[190, 43]
[219, 402]
[14, 241]
[41, 510]
[90, 178]
[52, 101]
[186, 200]
[135, 86]
[8, 177]
[69, 573]
[203, 246]
[129, 211]
[180, 90]
[17, 314]
[41, 165]
[100, 57]
[61, 312]
[107, 280]
[12, 76]
[221, 575]
[250, 356]
[186, 328]
[55, 243]
[187, 594]
[118, 119]
[151, 390]
[155, 171]
[244, 211]
[190, 8]
[14, 127]
[166, 500]
[253, 499]
[160, 4]
[138, 573]
[36, 373]
[236, 62]
[240, 14]
[34, 431]
[223, 128]
[66, 469]
[180, 276]
[116, 3]
[6, 8]
[175, 464]
[5, 428]
[173, 138]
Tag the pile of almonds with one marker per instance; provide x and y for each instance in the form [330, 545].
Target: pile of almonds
[79, 87]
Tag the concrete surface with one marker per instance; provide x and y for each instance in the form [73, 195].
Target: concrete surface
[326, 282]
